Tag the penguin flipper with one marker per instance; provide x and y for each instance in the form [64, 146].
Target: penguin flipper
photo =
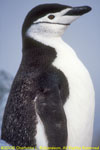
[49, 107]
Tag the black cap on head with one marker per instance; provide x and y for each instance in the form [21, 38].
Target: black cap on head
[44, 9]
[40, 11]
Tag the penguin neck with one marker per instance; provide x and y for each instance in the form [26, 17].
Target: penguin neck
[55, 42]
[37, 54]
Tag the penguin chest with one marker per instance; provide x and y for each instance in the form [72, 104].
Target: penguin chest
[79, 107]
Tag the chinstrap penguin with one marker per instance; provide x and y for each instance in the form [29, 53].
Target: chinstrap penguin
[51, 102]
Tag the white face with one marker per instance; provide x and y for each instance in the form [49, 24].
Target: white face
[53, 24]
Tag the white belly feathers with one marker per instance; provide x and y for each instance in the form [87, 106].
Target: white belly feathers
[79, 108]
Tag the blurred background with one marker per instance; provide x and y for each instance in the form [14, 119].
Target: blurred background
[83, 36]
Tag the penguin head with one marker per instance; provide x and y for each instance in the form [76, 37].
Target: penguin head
[51, 19]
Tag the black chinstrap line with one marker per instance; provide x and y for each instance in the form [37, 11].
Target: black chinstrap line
[52, 23]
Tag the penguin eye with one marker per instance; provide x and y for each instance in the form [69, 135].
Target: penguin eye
[51, 17]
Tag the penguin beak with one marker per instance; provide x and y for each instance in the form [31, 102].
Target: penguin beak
[78, 11]
[73, 13]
